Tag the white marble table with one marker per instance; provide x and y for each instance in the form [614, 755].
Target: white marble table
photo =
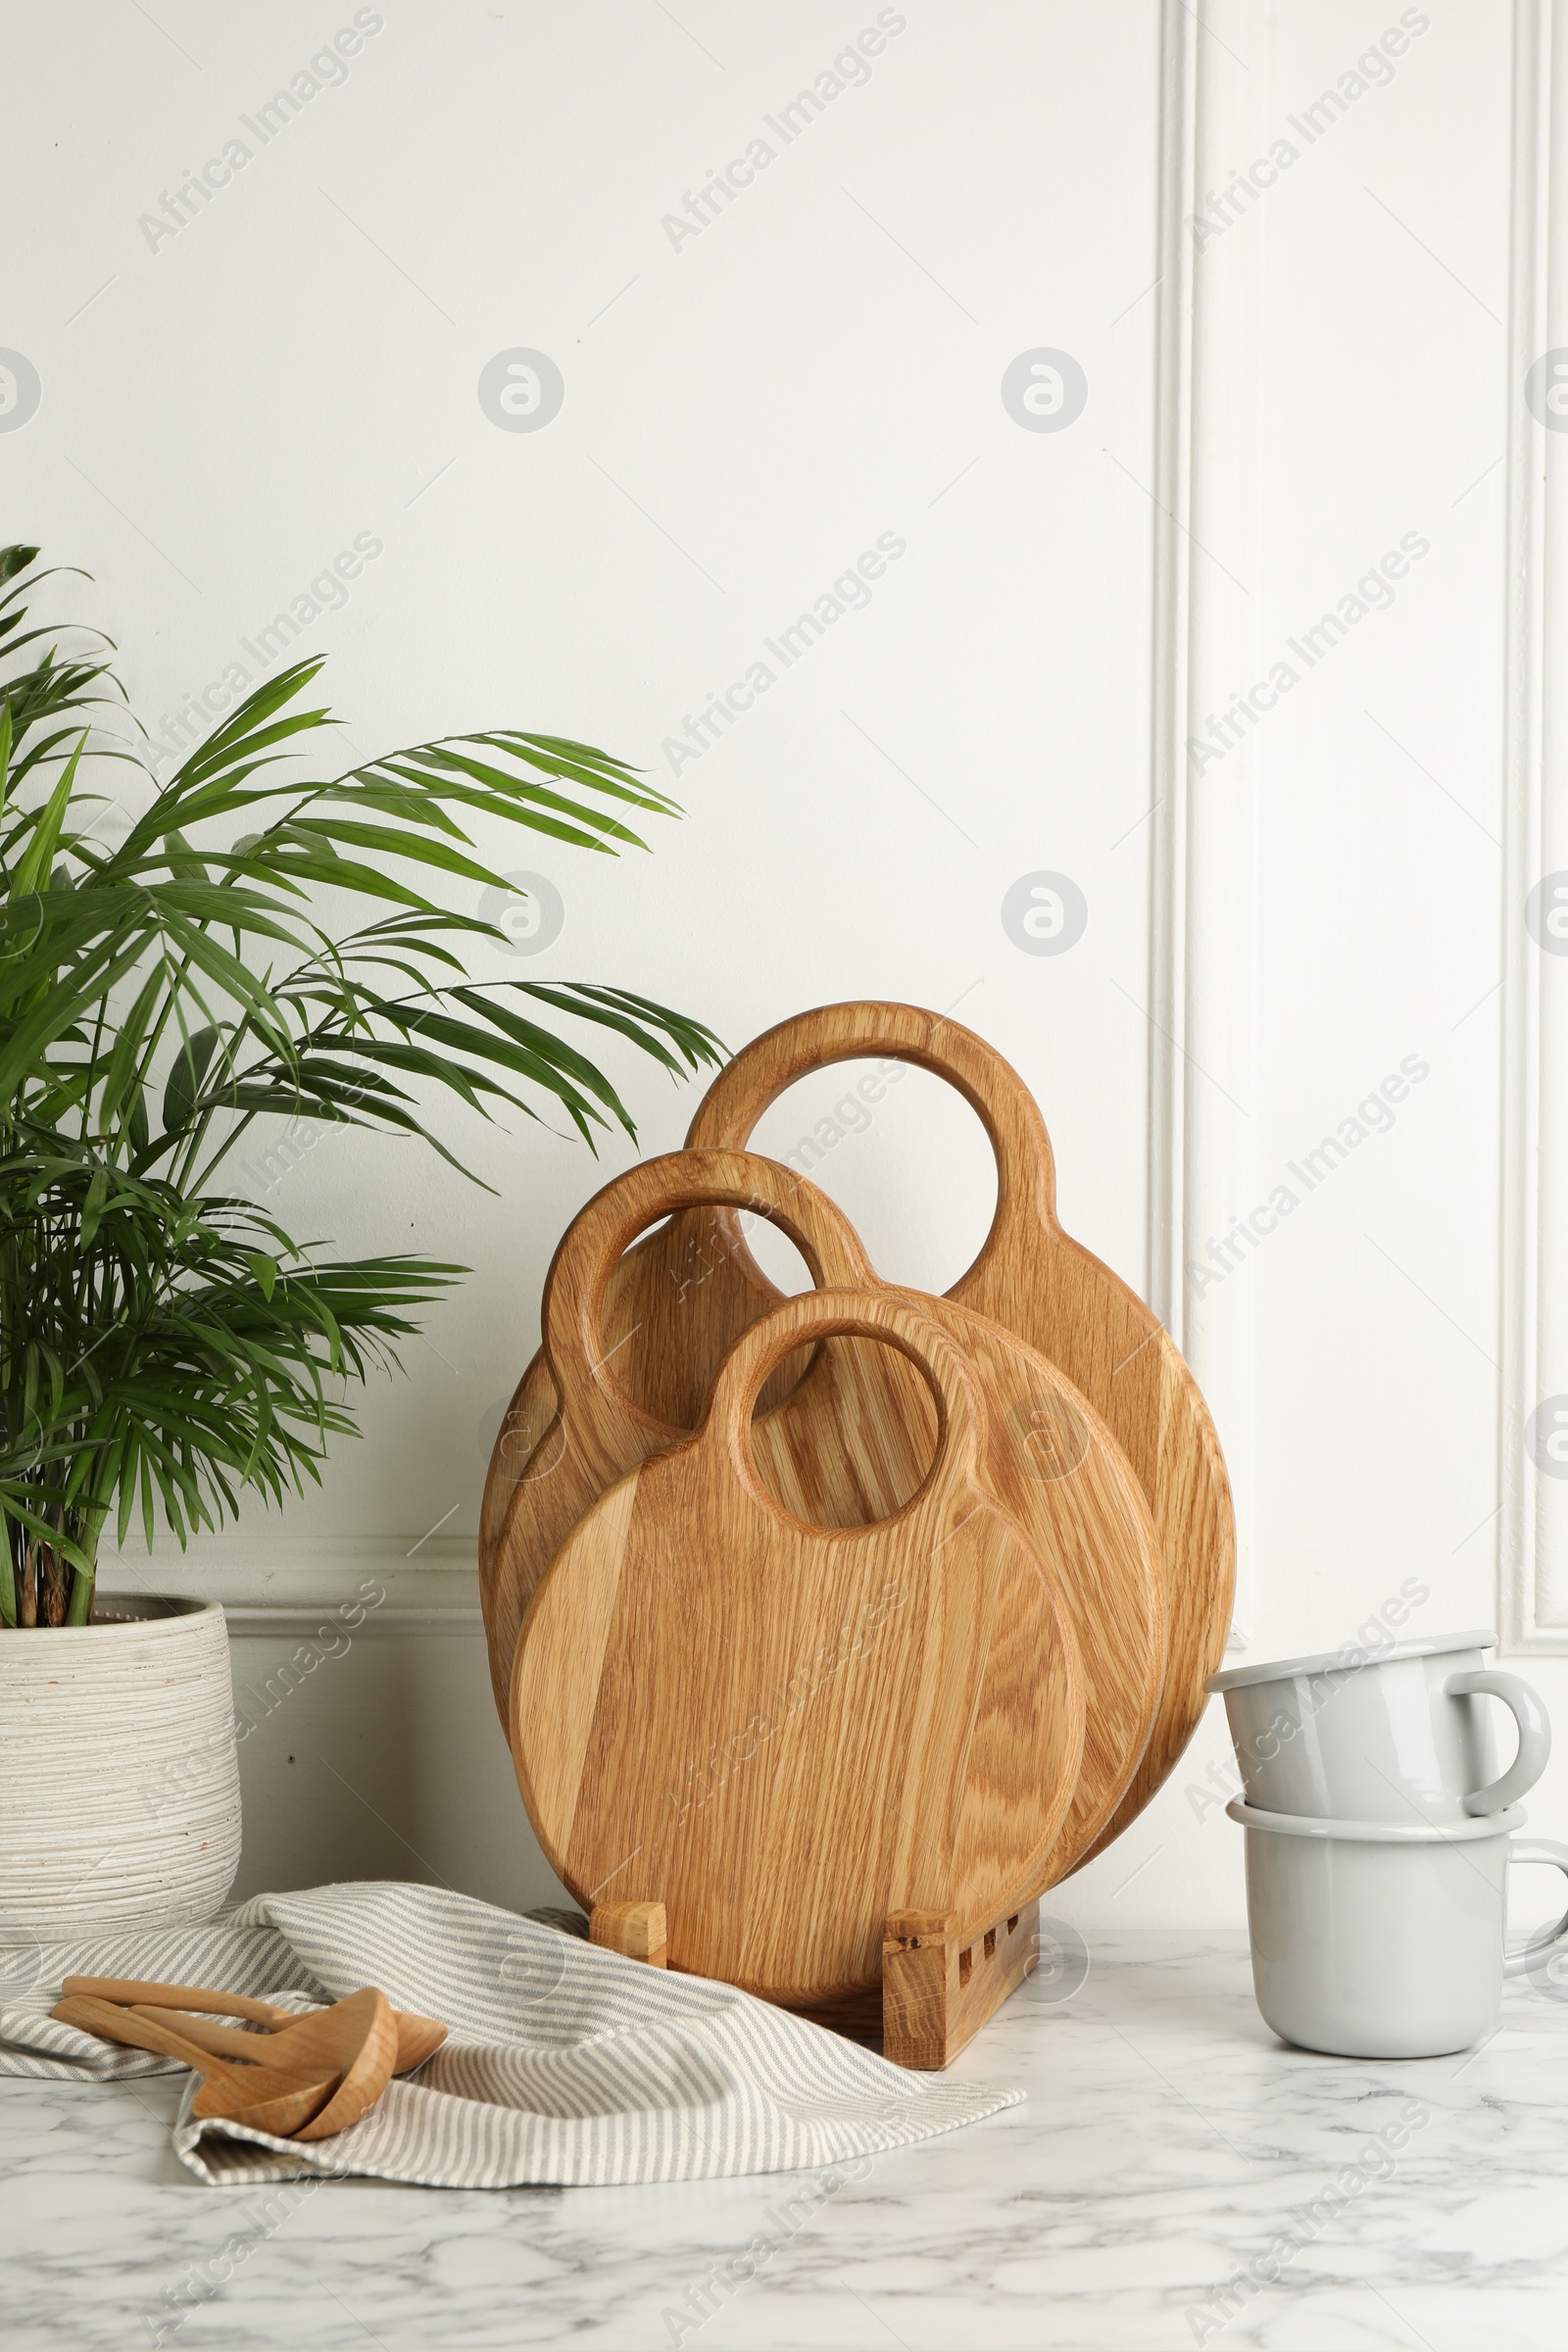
[1168, 2143]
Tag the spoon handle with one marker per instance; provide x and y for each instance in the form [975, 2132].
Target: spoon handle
[113, 2023]
[131, 1989]
[227, 2041]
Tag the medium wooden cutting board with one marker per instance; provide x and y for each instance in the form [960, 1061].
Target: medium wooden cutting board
[1030, 1276]
[785, 1732]
[595, 1431]
[851, 1443]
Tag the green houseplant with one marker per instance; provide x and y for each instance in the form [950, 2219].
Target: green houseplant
[245, 939]
[238, 941]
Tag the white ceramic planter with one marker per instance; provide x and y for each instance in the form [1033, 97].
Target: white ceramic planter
[119, 1775]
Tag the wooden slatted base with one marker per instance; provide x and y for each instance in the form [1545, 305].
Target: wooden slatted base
[936, 1992]
[635, 1928]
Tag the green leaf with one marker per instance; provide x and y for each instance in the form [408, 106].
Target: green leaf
[34, 865]
[93, 1206]
[185, 1079]
[264, 1269]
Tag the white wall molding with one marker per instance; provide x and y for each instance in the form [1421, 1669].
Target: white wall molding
[1533, 1544]
[1207, 638]
[300, 1585]
[1168, 762]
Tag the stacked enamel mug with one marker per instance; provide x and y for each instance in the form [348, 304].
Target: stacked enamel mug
[1378, 1835]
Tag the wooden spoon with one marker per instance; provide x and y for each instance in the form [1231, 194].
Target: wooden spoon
[418, 2035]
[356, 2038]
[282, 2101]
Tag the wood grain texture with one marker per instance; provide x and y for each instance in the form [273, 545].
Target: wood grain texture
[416, 2037]
[597, 1431]
[851, 1445]
[852, 1440]
[280, 2099]
[935, 1994]
[938, 1989]
[638, 1931]
[1030, 1277]
[355, 2040]
[797, 1730]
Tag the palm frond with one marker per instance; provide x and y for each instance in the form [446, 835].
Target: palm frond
[165, 1344]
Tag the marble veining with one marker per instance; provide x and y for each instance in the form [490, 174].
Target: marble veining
[1176, 2176]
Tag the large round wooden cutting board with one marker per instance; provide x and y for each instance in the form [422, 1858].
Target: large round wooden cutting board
[784, 1732]
[851, 1443]
[1030, 1277]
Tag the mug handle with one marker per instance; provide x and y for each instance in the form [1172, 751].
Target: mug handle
[1551, 1939]
[1534, 1736]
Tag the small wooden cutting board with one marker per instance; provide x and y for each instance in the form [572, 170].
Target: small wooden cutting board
[785, 1732]
[596, 1431]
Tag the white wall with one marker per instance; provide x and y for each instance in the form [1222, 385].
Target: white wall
[745, 411]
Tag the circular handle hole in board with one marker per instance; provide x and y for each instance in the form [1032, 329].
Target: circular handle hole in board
[869, 1444]
[902, 1154]
[697, 1254]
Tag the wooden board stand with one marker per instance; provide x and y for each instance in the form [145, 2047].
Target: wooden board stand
[936, 1992]
[636, 1929]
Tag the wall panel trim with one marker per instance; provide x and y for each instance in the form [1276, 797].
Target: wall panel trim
[1207, 647]
[1533, 1521]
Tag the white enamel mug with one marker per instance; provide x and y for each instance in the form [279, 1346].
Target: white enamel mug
[1400, 1734]
[1374, 1940]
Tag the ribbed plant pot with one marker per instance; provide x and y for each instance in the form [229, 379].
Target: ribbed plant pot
[119, 1775]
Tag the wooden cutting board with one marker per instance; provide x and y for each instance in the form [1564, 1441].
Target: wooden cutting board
[595, 1431]
[1030, 1277]
[851, 1443]
[784, 1732]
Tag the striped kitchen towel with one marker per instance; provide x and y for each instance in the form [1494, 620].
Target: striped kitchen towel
[566, 2064]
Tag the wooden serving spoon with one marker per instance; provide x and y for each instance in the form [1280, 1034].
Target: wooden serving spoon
[418, 2035]
[282, 2101]
[356, 2039]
